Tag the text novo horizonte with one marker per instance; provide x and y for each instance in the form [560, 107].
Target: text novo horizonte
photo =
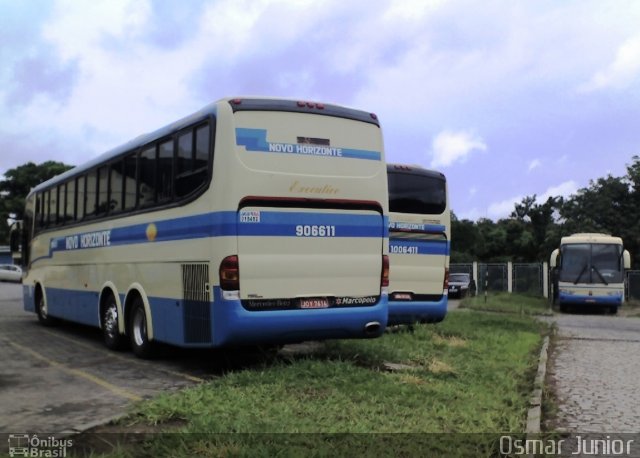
[305, 149]
[88, 240]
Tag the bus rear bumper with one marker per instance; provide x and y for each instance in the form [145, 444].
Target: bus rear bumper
[408, 312]
[232, 324]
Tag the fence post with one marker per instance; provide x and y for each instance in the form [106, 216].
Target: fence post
[486, 282]
[509, 277]
[474, 274]
[545, 279]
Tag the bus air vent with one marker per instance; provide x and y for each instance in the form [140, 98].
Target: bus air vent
[197, 303]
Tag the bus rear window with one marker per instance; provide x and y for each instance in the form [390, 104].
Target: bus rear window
[415, 193]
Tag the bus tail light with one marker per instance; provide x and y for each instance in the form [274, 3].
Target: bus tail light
[445, 283]
[230, 274]
[384, 276]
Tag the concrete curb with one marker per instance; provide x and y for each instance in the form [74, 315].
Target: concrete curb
[534, 415]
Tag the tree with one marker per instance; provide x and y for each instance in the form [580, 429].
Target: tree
[15, 186]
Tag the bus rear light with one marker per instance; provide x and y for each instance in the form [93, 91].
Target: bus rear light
[384, 276]
[230, 274]
[303, 104]
[373, 116]
[445, 283]
[236, 101]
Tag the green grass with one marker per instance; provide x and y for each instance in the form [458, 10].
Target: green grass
[508, 303]
[471, 373]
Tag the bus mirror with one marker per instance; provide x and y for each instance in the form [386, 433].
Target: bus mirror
[627, 259]
[553, 261]
[15, 236]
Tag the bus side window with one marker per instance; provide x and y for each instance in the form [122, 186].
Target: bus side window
[165, 171]
[38, 213]
[147, 176]
[129, 181]
[115, 187]
[81, 197]
[103, 191]
[201, 159]
[53, 207]
[70, 207]
[184, 165]
[92, 193]
[47, 207]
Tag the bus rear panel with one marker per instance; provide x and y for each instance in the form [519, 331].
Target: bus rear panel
[419, 233]
[310, 225]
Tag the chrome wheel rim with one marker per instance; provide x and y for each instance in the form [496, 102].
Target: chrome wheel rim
[111, 321]
[43, 308]
[139, 327]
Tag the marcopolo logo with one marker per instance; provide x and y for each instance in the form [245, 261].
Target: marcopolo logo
[34, 446]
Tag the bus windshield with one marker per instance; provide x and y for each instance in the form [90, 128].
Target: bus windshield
[591, 263]
[416, 193]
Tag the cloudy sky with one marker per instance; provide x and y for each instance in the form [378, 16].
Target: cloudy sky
[507, 98]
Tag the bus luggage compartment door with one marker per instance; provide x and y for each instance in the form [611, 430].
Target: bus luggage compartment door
[304, 256]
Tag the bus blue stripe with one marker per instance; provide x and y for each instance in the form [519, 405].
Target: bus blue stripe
[434, 247]
[414, 227]
[220, 224]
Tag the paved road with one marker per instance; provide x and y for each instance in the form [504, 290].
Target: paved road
[61, 379]
[595, 371]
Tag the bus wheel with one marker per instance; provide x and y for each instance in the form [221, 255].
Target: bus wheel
[112, 337]
[43, 311]
[613, 309]
[140, 343]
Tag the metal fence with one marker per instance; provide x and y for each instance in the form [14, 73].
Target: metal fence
[523, 278]
[633, 285]
[461, 269]
[492, 277]
[528, 279]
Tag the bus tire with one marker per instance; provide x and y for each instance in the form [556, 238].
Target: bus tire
[613, 309]
[43, 311]
[141, 346]
[113, 340]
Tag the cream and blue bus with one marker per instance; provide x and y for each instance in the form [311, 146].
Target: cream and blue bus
[253, 221]
[588, 271]
[419, 244]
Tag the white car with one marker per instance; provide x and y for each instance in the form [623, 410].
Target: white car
[10, 272]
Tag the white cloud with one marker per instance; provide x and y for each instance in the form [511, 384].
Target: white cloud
[503, 208]
[622, 72]
[449, 147]
[562, 190]
[534, 164]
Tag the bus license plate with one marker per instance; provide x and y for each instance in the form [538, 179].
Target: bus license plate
[314, 303]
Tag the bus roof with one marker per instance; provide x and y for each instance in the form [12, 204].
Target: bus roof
[414, 170]
[237, 104]
[590, 238]
[137, 142]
